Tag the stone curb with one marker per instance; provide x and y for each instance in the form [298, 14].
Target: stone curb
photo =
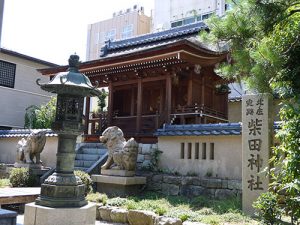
[137, 217]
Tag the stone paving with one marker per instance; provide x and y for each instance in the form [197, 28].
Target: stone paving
[20, 220]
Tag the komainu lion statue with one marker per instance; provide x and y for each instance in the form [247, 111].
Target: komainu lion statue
[122, 155]
[31, 147]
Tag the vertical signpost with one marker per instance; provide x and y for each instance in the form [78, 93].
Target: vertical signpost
[257, 136]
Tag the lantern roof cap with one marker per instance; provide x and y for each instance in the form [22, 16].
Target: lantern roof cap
[71, 82]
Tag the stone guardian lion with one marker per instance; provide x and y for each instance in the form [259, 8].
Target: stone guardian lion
[31, 147]
[122, 154]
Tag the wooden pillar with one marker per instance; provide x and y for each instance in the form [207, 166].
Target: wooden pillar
[202, 90]
[110, 103]
[139, 105]
[168, 98]
[132, 102]
[86, 116]
[190, 91]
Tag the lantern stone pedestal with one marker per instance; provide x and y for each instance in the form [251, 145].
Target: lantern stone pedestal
[116, 185]
[42, 215]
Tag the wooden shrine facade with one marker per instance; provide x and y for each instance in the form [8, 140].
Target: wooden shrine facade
[173, 83]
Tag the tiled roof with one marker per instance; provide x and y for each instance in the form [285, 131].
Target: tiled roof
[153, 38]
[204, 129]
[235, 98]
[23, 133]
[26, 57]
[200, 129]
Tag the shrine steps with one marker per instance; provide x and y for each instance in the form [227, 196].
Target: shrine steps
[89, 157]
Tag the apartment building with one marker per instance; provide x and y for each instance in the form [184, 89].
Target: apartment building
[18, 88]
[124, 24]
[175, 13]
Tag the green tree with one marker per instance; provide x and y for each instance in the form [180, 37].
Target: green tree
[263, 38]
[102, 99]
[40, 117]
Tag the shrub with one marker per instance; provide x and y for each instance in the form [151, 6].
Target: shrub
[267, 207]
[86, 179]
[4, 183]
[97, 197]
[20, 177]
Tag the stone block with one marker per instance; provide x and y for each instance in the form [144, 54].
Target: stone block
[146, 149]
[119, 215]
[196, 190]
[146, 163]
[197, 181]
[141, 217]
[187, 180]
[154, 186]
[161, 220]
[148, 157]
[214, 183]
[104, 212]
[7, 217]
[157, 178]
[170, 189]
[41, 215]
[172, 179]
[235, 184]
[224, 184]
[120, 173]
[119, 180]
[140, 158]
[224, 193]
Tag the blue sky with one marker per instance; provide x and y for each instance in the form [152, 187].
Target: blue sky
[51, 30]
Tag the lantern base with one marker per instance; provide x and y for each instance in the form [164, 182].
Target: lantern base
[62, 196]
[40, 215]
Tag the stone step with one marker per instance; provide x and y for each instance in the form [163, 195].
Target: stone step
[80, 168]
[87, 157]
[94, 151]
[84, 163]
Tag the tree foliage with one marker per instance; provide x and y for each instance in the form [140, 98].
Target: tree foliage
[40, 117]
[263, 38]
[102, 99]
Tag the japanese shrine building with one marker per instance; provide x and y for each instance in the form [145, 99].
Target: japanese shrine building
[155, 79]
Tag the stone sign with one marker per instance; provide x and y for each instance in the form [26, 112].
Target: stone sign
[257, 135]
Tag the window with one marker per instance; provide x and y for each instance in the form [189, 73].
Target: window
[212, 151]
[182, 151]
[203, 150]
[7, 74]
[206, 16]
[127, 31]
[189, 150]
[110, 35]
[189, 20]
[176, 24]
[197, 150]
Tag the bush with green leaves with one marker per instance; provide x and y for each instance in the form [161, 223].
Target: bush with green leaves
[40, 117]
[20, 177]
[86, 179]
[267, 208]
[97, 197]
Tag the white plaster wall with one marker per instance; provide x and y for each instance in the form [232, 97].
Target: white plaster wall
[26, 92]
[170, 10]
[8, 151]
[227, 162]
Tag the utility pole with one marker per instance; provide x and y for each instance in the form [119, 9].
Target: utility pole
[1, 17]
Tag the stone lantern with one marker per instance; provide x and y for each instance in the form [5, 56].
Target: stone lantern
[63, 189]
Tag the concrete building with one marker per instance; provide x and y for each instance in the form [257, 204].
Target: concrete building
[174, 13]
[124, 24]
[18, 88]
[1, 17]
